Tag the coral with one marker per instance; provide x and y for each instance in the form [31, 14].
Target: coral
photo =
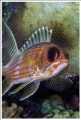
[52, 109]
[55, 113]
[11, 112]
[47, 105]
[56, 100]
[76, 114]
[74, 104]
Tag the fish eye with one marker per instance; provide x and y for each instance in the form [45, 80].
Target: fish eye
[53, 54]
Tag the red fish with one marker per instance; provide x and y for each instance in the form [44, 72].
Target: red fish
[38, 60]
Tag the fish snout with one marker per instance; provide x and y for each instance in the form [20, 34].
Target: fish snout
[60, 66]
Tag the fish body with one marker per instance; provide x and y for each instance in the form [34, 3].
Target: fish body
[35, 62]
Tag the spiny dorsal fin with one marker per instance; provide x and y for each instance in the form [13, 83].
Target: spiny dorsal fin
[39, 36]
[9, 45]
[30, 89]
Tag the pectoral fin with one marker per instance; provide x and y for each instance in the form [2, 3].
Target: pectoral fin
[59, 83]
[30, 89]
[5, 86]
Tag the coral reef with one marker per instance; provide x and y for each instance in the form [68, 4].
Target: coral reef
[63, 18]
[49, 104]
[11, 112]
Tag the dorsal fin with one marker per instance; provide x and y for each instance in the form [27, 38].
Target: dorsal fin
[39, 36]
[9, 45]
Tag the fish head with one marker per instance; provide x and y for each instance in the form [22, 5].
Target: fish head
[53, 60]
[56, 59]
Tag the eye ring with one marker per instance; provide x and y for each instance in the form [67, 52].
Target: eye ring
[53, 54]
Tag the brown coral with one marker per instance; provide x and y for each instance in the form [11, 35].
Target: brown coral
[11, 112]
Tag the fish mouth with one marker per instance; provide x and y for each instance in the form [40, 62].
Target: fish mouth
[63, 64]
[65, 61]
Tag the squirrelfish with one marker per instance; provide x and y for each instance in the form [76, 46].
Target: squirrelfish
[37, 60]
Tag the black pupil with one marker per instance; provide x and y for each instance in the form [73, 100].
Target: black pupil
[53, 54]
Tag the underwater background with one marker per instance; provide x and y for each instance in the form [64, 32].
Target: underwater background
[63, 17]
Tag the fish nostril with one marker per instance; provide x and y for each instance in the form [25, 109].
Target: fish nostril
[67, 56]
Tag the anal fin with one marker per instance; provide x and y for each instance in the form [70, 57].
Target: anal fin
[30, 89]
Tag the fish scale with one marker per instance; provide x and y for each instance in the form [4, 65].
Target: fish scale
[14, 72]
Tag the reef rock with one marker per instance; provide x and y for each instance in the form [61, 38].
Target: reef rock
[11, 112]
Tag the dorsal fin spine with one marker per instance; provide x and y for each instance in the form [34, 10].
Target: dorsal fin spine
[39, 36]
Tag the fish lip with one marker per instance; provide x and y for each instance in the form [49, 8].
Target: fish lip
[65, 61]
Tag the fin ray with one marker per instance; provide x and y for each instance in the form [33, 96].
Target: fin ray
[59, 83]
[5, 86]
[39, 36]
[30, 89]
[20, 87]
[9, 44]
